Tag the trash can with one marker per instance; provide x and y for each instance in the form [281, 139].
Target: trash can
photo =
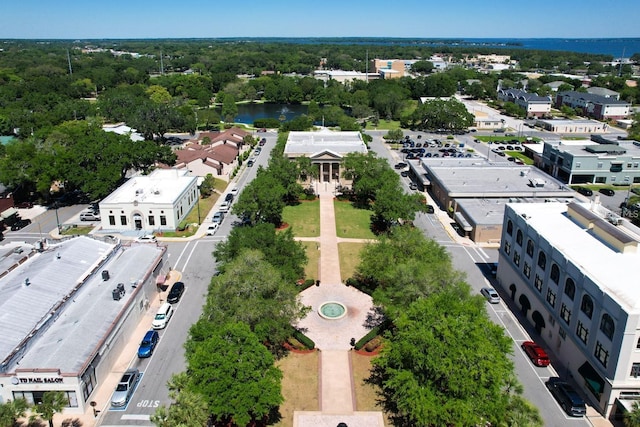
[105, 275]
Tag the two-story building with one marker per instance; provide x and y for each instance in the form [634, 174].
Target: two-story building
[533, 104]
[571, 271]
[599, 161]
[593, 105]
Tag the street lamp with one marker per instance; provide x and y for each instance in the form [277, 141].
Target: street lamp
[55, 205]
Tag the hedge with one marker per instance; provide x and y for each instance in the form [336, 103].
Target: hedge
[304, 339]
[371, 335]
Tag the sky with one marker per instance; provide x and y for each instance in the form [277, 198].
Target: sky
[119, 19]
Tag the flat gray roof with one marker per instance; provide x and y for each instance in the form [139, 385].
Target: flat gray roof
[479, 178]
[594, 149]
[309, 143]
[609, 268]
[66, 292]
[162, 186]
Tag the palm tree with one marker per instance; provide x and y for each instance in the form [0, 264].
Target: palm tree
[632, 418]
[11, 411]
[52, 403]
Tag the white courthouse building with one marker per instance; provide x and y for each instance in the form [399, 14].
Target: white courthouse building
[155, 202]
[572, 271]
[68, 311]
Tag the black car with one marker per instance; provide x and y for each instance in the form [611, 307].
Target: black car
[585, 191]
[607, 191]
[20, 224]
[175, 292]
[228, 197]
[400, 165]
[567, 397]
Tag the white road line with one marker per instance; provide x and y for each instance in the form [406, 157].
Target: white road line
[190, 255]
[175, 264]
[140, 417]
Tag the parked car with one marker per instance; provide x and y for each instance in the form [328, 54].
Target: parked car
[404, 173]
[89, 216]
[229, 197]
[147, 238]
[585, 191]
[430, 209]
[211, 230]
[224, 206]
[567, 397]
[148, 344]
[607, 191]
[234, 191]
[20, 224]
[217, 217]
[250, 162]
[491, 295]
[176, 291]
[162, 316]
[536, 353]
[413, 186]
[262, 142]
[125, 388]
[400, 165]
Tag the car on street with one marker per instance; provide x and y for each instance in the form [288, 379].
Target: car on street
[175, 293]
[224, 206]
[250, 162]
[400, 165]
[147, 238]
[20, 224]
[234, 191]
[569, 400]
[162, 316]
[229, 197]
[125, 388]
[491, 295]
[404, 173]
[430, 209]
[607, 192]
[211, 230]
[148, 344]
[536, 353]
[413, 186]
[217, 217]
[585, 191]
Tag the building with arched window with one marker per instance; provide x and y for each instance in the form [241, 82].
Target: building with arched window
[575, 281]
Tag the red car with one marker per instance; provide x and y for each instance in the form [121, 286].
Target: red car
[537, 355]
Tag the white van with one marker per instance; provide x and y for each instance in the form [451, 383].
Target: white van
[89, 216]
[162, 316]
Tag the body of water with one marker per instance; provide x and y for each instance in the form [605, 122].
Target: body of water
[248, 113]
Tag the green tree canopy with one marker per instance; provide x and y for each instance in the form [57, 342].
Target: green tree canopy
[53, 402]
[440, 114]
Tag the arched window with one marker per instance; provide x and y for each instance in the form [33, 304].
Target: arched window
[555, 273]
[587, 306]
[510, 228]
[530, 248]
[519, 238]
[607, 326]
[569, 288]
[542, 260]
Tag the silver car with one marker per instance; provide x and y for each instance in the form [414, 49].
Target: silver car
[125, 388]
[491, 295]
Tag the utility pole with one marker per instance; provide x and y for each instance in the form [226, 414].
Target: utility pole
[69, 62]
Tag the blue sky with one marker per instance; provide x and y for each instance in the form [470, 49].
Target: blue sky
[74, 19]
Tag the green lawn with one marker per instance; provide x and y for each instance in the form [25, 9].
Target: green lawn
[351, 222]
[383, 125]
[520, 155]
[349, 258]
[304, 218]
[313, 256]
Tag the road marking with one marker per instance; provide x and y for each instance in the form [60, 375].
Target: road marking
[189, 256]
[140, 417]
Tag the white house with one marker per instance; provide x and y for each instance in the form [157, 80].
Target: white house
[158, 201]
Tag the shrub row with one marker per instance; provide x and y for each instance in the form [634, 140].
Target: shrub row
[308, 342]
[371, 335]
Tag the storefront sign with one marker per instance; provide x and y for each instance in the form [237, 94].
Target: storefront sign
[37, 380]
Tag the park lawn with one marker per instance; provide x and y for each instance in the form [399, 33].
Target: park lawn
[303, 218]
[349, 253]
[205, 206]
[77, 230]
[351, 222]
[366, 394]
[299, 385]
[383, 125]
[313, 260]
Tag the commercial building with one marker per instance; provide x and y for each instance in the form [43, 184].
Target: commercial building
[582, 126]
[474, 191]
[534, 105]
[597, 106]
[598, 160]
[571, 271]
[155, 202]
[325, 149]
[68, 310]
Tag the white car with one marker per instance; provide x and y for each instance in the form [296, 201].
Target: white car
[224, 207]
[148, 238]
[491, 295]
[234, 191]
[211, 230]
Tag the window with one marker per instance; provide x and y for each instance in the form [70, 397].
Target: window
[542, 260]
[123, 220]
[551, 298]
[582, 332]
[565, 313]
[601, 180]
[635, 164]
[635, 370]
[578, 165]
[599, 165]
[519, 238]
[587, 306]
[510, 228]
[530, 248]
[516, 258]
[615, 167]
[569, 288]
[527, 269]
[601, 354]
[538, 283]
[607, 326]
[507, 248]
[163, 220]
[628, 165]
[152, 220]
[555, 273]
[112, 220]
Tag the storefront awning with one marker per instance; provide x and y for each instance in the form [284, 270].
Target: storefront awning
[9, 212]
[462, 221]
[594, 381]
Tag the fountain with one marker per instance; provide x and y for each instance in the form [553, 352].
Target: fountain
[332, 310]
